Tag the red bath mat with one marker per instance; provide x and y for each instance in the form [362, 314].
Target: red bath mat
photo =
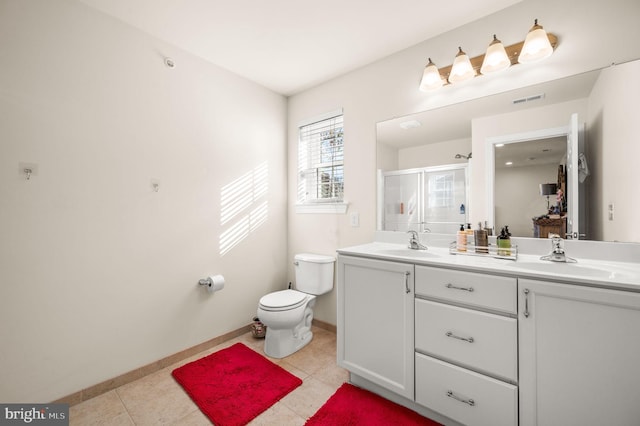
[351, 405]
[234, 385]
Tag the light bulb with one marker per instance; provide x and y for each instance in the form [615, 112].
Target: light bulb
[496, 58]
[431, 79]
[462, 69]
[536, 46]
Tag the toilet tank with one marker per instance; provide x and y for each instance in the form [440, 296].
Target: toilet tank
[314, 273]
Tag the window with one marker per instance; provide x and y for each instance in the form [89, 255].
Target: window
[440, 190]
[321, 161]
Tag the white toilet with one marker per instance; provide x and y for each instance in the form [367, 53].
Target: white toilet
[288, 313]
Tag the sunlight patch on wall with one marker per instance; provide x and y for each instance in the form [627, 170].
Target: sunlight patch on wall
[243, 207]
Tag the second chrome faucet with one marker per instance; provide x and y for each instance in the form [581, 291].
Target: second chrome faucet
[414, 241]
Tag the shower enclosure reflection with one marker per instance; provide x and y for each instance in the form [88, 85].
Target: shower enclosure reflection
[424, 199]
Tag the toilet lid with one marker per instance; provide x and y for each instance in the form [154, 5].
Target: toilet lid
[282, 300]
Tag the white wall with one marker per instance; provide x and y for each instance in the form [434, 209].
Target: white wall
[613, 153]
[435, 154]
[98, 273]
[517, 197]
[388, 89]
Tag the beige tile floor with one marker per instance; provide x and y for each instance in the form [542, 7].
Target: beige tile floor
[158, 399]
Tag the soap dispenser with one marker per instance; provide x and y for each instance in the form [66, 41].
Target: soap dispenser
[481, 239]
[461, 243]
[504, 242]
[469, 233]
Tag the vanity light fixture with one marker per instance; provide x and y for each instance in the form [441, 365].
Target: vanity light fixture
[431, 79]
[496, 58]
[537, 45]
[461, 70]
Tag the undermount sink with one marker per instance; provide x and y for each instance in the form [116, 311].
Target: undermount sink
[575, 269]
[405, 252]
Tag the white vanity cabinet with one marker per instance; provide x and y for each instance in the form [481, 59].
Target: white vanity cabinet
[375, 321]
[474, 345]
[466, 345]
[579, 355]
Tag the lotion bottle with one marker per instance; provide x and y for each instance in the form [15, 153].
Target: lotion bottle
[469, 233]
[461, 243]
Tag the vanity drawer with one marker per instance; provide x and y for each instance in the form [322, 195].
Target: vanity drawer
[470, 288]
[475, 339]
[465, 396]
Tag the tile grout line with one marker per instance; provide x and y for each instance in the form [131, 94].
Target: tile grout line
[124, 406]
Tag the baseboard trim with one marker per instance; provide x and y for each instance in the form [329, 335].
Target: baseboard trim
[123, 379]
[324, 325]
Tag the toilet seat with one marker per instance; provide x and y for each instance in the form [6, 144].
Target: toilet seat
[283, 300]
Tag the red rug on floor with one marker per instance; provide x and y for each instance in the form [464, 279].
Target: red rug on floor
[351, 405]
[234, 385]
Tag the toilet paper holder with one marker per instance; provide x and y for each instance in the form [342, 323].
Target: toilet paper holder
[206, 281]
[212, 283]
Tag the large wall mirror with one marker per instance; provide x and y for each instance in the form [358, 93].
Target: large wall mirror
[468, 133]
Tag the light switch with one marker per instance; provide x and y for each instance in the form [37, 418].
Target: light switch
[355, 219]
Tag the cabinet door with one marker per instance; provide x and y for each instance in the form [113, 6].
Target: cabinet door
[579, 353]
[375, 322]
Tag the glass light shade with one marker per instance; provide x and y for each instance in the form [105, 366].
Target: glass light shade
[461, 70]
[536, 46]
[431, 79]
[496, 58]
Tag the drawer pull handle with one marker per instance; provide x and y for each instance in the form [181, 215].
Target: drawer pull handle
[526, 303]
[469, 401]
[406, 282]
[466, 339]
[469, 289]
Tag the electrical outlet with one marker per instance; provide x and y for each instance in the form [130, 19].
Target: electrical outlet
[355, 219]
[610, 211]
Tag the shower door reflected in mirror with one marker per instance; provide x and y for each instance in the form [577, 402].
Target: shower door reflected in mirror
[430, 198]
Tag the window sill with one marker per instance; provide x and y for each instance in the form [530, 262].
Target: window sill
[336, 208]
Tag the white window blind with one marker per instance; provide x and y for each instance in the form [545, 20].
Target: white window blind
[321, 161]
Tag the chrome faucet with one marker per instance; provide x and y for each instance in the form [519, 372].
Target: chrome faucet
[414, 241]
[557, 253]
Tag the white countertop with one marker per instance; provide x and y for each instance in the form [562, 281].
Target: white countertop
[606, 274]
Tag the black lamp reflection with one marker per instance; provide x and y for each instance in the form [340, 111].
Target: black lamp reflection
[548, 189]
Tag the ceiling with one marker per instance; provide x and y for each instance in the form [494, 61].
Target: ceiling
[291, 45]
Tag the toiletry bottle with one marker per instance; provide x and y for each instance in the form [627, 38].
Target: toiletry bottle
[469, 233]
[507, 243]
[499, 242]
[461, 243]
[486, 228]
[504, 243]
[481, 239]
